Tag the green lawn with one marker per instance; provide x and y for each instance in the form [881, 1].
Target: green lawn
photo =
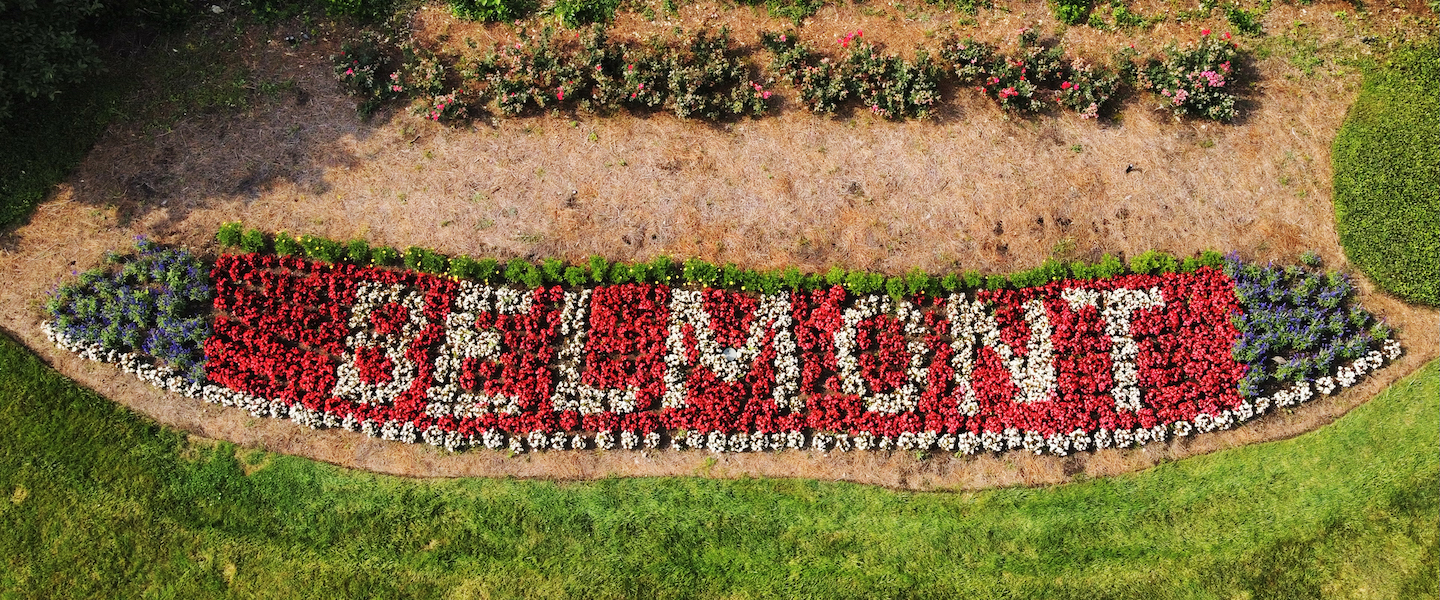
[105, 504]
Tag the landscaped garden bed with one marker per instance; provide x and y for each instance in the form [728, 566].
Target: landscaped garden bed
[456, 352]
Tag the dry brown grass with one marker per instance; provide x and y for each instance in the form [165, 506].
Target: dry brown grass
[969, 189]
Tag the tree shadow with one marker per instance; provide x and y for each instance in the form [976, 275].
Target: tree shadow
[227, 110]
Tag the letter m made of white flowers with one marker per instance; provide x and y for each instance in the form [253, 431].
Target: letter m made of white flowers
[731, 364]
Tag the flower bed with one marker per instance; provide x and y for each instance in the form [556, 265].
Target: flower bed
[705, 76]
[1060, 360]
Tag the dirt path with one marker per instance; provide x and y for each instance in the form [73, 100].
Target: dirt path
[970, 189]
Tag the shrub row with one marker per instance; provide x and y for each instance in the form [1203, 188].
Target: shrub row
[667, 270]
[705, 79]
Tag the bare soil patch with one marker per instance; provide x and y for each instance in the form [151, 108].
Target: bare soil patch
[969, 189]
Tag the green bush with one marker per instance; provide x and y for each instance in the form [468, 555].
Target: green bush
[414, 255]
[364, 10]
[641, 272]
[895, 287]
[286, 245]
[1245, 21]
[230, 234]
[357, 251]
[1387, 191]
[486, 268]
[662, 269]
[701, 272]
[491, 10]
[1154, 262]
[620, 273]
[463, 267]
[576, 277]
[253, 241]
[861, 283]
[919, 282]
[598, 268]
[575, 13]
[384, 256]
[1070, 12]
[41, 49]
[321, 249]
[554, 269]
[517, 271]
[973, 280]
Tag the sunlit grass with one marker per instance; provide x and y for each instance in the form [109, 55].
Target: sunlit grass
[97, 502]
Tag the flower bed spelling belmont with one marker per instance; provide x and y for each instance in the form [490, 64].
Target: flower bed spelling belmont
[1061, 359]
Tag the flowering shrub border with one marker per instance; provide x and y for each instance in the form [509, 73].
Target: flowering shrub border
[705, 78]
[1061, 366]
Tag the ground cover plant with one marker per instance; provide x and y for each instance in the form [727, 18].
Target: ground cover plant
[1387, 190]
[469, 352]
[101, 502]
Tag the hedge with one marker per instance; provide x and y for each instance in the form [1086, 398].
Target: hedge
[1387, 190]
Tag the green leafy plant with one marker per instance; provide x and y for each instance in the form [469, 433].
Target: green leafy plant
[384, 256]
[491, 10]
[367, 67]
[1387, 191]
[357, 252]
[287, 245]
[1247, 22]
[321, 249]
[41, 50]
[576, 276]
[464, 267]
[576, 13]
[253, 241]
[364, 10]
[701, 272]
[1195, 78]
[230, 234]
[1070, 12]
[1154, 262]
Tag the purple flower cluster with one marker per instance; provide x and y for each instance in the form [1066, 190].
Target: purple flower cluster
[1297, 324]
[156, 301]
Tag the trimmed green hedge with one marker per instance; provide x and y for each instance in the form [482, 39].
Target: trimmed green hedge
[1387, 188]
[663, 269]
